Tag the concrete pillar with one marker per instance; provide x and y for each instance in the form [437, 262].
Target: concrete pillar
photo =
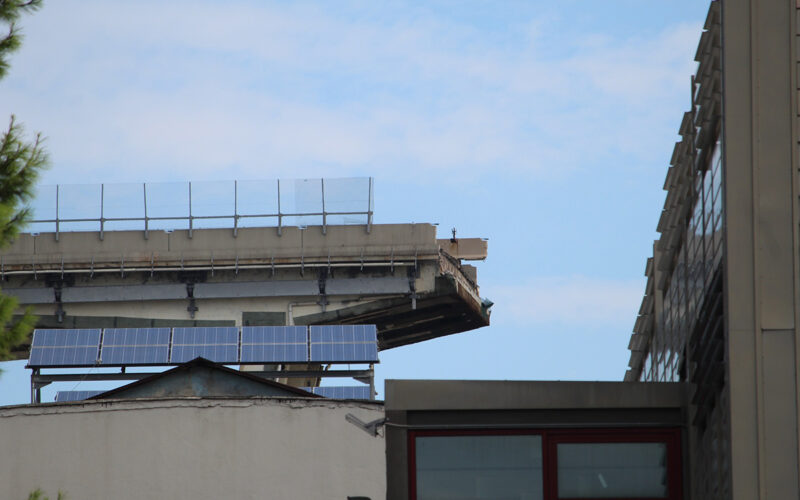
[761, 285]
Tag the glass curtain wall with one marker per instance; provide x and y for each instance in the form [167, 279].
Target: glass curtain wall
[696, 261]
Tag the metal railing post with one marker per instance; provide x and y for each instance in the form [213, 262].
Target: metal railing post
[144, 191]
[324, 215]
[190, 209]
[369, 207]
[235, 208]
[301, 216]
[102, 198]
[57, 225]
[280, 217]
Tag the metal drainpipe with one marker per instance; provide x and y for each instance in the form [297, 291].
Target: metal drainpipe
[290, 310]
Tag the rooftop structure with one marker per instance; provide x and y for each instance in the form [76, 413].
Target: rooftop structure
[281, 446]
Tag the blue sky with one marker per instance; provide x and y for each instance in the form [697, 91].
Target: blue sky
[546, 127]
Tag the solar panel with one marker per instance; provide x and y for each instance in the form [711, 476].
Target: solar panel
[342, 392]
[76, 395]
[135, 346]
[274, 344]
[64, 348]
[344, 343]
[216, 343]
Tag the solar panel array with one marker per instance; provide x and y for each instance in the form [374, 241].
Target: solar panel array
[341, 391]
[218, 344]
[343, 343]
[135, 346]
[274, 344]
[76, 395]
[229, 345]
[65, 347]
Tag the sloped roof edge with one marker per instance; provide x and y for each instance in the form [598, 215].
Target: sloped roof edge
[203, 362]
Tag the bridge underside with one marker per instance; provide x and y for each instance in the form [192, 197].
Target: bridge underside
[441, 312]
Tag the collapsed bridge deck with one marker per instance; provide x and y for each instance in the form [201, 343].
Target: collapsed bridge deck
[396, 276]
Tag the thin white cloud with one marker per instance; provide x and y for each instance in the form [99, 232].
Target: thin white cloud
[640, 69]
[572, 300]
[264, 90]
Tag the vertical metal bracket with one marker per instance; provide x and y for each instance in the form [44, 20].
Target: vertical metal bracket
[412, 286]
[321, 283]
[57, 287]
[192, 308]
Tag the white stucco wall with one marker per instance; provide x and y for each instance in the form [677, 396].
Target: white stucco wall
[192, 448]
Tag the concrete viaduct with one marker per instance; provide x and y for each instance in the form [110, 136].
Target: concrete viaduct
[397, 276]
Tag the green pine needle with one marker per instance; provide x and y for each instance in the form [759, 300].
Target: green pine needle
[21, 162]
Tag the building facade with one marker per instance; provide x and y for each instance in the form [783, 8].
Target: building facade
[489, 439]
[720, 311]
[187, 448]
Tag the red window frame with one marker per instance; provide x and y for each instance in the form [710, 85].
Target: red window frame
[551, 438]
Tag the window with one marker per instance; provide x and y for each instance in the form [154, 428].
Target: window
[478, 466]
[549, 464]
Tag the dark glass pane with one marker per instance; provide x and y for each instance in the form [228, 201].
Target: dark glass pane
[612, 470]
[479, 467]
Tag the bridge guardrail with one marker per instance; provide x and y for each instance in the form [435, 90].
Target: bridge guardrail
[201, 205]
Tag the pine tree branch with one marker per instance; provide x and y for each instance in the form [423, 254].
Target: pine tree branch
[8, 44]
[20, 165]
[10, 10]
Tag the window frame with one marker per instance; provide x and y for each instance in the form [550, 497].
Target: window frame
[552, 437]
[670, 437]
